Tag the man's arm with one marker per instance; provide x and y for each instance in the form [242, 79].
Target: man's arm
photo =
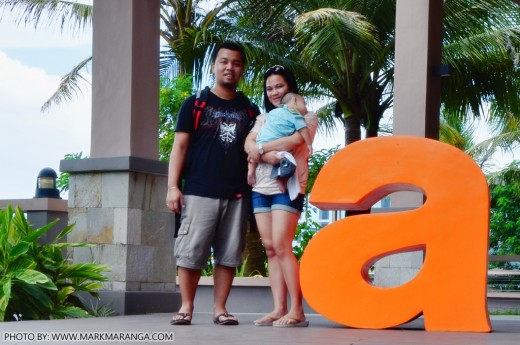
[174, 197]
[251, 147]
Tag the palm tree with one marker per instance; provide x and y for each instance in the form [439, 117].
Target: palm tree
[355, 68]
[341, 51]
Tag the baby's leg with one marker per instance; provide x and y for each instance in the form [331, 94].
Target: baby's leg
[251, 173]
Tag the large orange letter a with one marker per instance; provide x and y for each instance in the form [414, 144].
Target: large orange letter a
[451, 226]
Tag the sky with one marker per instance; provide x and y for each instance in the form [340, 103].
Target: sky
[32, 63]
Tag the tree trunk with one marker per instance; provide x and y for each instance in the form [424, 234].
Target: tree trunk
[353, 134]
[254, 252]
[373, 127]
[352, 129]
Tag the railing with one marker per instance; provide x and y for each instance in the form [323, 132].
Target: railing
[504, 258]
[504, 284]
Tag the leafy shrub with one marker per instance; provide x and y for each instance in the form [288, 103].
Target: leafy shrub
[505, 223]
[36, 282]
[63, 180]
[171, 95]
[304, 232]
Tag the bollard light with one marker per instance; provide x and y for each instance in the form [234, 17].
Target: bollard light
[46, 184]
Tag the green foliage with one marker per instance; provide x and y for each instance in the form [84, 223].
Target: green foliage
[505, 312]
[316, 162]
[36, 282]
[505, 222]
[171, 95]
[101, 310]
[304, 232]
[241, 271]
[62, 183]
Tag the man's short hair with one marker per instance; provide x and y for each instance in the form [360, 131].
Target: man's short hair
[230, 45]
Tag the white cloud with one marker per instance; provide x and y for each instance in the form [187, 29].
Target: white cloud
[29, 139]
[15, 35]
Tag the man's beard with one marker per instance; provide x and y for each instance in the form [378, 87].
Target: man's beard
[229, 86]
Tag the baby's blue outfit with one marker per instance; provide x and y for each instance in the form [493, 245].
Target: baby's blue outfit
[280, 122]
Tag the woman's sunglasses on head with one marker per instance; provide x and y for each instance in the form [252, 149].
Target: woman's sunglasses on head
[274, 69]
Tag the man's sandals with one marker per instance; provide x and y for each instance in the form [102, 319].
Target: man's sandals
[181, 319]
[225, 319]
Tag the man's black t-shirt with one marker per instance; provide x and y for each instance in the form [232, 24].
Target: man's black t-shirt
[216, 164]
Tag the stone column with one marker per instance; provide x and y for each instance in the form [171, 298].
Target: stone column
[125, 93]
[418, 46]
[117, 196]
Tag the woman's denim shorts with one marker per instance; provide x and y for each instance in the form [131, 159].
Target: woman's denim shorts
[266, 203]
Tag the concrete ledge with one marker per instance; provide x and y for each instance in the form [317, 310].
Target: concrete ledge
[37, 204]
[503, 301]
[504, 258]
[126, 163]
[504, 295]
[253, 295]
[136, 302]
[495, 272]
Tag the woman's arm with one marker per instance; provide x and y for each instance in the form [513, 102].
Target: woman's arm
[269, 156]
[284, 144]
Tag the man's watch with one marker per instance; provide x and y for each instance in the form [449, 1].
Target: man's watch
[260, 149]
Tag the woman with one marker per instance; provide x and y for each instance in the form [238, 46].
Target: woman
[275, 213]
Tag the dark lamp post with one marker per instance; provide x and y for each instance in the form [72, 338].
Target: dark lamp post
[46, 184]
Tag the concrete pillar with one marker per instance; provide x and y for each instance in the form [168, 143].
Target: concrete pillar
[418, 45]
[117, 197]
[125, 93]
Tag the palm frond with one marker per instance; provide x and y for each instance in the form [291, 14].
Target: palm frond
[482, 44]
[326, 121]
[484, 151]
[69, 86]
[510, 175]
[329, 30]
[451, 135]
[71, 15]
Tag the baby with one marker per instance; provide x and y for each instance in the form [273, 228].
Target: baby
[280, 122]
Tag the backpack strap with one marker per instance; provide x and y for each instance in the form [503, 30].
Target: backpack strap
[201, 99]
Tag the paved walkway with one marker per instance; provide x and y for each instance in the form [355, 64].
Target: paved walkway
[506, 330]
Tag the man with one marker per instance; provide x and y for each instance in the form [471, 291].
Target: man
[208, 154]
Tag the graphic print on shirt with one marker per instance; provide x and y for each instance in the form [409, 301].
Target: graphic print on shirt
[228, 132]
[225, 123]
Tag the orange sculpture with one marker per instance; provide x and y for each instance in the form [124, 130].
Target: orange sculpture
[451, 227]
